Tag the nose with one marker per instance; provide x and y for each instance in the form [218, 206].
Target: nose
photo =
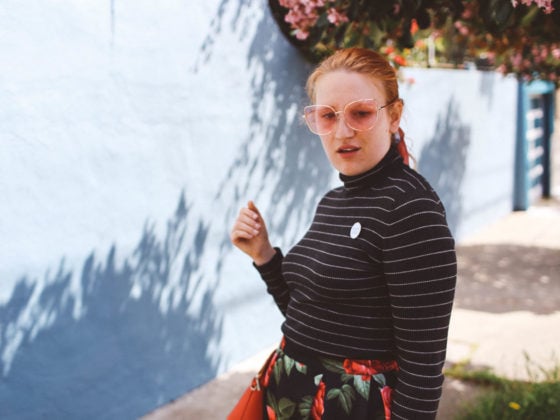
[342, 129]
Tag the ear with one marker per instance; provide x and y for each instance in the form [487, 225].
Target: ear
[395, 114]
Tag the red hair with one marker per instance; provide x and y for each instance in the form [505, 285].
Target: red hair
[368, 63]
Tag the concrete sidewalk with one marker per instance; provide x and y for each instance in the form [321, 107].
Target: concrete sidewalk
[508, 293]
[506, 315]
[507, 309]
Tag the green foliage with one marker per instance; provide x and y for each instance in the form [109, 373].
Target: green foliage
[514, 36]
[362, 386]
[305, 407]
[516, 400]
[506, 399]
[288, 364]
[345, 395]
[483, 377]
[285, 408]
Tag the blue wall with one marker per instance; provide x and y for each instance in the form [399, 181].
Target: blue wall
[131, 133]
[462, 129]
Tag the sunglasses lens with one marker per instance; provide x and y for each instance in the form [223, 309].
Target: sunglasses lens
[361, 115]
[358, 115]
[320, 118]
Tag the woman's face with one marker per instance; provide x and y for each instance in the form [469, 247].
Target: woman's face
[354, 152]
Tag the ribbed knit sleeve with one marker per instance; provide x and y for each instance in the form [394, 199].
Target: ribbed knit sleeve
[271, 273]
[420, 269]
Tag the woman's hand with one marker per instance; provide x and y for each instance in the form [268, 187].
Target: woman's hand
[249, 234]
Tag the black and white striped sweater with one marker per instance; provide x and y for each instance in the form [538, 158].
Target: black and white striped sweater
[385, 294]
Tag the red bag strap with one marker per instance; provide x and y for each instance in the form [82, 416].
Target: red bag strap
[261, 379]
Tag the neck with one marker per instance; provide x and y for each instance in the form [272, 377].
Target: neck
[367, 178]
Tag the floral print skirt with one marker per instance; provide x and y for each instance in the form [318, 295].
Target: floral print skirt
[329, 389]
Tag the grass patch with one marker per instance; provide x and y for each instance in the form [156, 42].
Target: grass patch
[504, 399]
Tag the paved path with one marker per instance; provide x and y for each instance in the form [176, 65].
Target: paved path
[507, 306]
[509, 282]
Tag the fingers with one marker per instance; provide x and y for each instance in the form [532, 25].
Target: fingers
[238, 236]
[251, 206]
[254, 211]
[247, 224]
[250, 218]
[250, 235]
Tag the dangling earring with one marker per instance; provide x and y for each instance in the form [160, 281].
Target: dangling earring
[395, 138]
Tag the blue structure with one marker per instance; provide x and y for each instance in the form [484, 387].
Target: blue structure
[533, 148]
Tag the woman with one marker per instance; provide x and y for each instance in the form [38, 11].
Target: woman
[367, 292]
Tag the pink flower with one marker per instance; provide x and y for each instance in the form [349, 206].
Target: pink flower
[302, 15]
[469, 12]
[288, 3]
[335, 17]
[292, 17]
[463, 30]
[546, 5]
[301, 35]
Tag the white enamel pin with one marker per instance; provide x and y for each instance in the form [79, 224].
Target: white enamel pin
[355, 231]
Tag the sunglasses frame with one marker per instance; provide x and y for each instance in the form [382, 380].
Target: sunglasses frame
[340, 114]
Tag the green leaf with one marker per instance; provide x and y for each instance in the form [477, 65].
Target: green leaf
[338, 34]
[323, 21]
[347, 397]
[287, 408]
[380, 379]
[333, 393]
[301, 368]
[305, 407]
[277, 371]
[318, 379]
[529, 17]
[498, 13]
[332, 365]
[346, 377]
[362, 386]
[354, 11]
[288, 364]
[376, 35]
[271, 399]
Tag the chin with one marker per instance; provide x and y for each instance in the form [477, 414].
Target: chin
[350, 171]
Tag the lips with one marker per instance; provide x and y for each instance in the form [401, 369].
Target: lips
[347, 149]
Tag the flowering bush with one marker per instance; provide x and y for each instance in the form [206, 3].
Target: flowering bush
[514, 36]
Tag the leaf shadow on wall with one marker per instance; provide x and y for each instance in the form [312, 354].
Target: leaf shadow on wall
[443, 161]
[279, 160]
[138, 341]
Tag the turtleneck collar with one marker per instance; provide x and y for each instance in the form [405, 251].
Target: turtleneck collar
[368, 177]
